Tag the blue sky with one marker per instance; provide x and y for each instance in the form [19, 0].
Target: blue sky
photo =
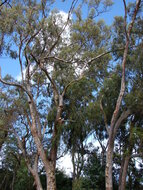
[116, 10]
[10, 66]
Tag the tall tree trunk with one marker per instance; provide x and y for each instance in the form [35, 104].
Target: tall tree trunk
[124, 173]
[121, 171]
[50, 175]
[37, 181]
[50, 170]
[126, 158]
[109, 162]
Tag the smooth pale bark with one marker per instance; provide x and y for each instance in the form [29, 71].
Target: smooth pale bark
[49, 166]
[110, 149]
[109, 163]
[37, 181]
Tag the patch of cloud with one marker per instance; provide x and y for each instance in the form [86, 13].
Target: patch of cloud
[65, 164]
[62, 20]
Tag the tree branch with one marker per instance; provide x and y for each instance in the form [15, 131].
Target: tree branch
[122, 89]
[138, 3]
[88, 62]
[14, 84]
[70, 83]
[19, 55]
[46, 72]
[123, 116]
[59, 35]
[5, 2]
[125, 19]
[139, 155]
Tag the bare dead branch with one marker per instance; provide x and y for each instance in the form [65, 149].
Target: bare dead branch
[88, 62]
[5, 2]
[48, 76]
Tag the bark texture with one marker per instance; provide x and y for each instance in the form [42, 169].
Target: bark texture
[109, 162]
[51, 179]
[37, 181]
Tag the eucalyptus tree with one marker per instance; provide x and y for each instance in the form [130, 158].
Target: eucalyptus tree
[14, 172]
[94, 172]
[18, 140]
[117, 117]
[77, 130]
[133, 100]
[7, 117]
[29, 26]
[3, 132]
[49, 65]
[89, 41]
[131, 147]
[118, 114]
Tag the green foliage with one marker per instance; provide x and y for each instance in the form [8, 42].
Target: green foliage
[28, 28]
[14, 171]
[63, 182]
[77, 184]
[135, 180]
[110, 91]
[24, 180]
[94, 176]
[97, 7]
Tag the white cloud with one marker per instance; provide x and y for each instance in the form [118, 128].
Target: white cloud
[65, 164]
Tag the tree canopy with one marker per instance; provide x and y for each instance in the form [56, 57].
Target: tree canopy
[80, 79]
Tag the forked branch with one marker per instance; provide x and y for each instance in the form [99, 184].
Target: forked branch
[122, 89]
